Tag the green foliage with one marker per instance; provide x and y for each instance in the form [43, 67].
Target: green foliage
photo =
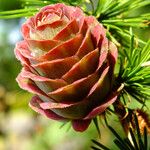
[134, 140]
[30, 7]
[25, 12]
[135, 70]
[118, 8]
[6, 5]
[96, 123]
[118, 17]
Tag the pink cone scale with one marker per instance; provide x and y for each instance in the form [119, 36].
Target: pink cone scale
[68, 65]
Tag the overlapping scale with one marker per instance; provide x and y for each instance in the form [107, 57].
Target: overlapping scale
[56, 68]
[86, 104]
[29, 85]
[86, 46]
[21, 51]
[42, 45]
[76, 91]
[83, 26]
[83, 68]
[67, 32]
[102, 107]
[46, 30]
[113, 54]
[98, 34]
[45, 84]
[49, 19]
[66, 49]
[35, 105]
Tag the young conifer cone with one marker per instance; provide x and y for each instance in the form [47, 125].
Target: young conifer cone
[68, 64]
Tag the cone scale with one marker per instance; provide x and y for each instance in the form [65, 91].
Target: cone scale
[68, 65]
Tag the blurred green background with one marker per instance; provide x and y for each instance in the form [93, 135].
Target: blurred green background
[20, 127]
